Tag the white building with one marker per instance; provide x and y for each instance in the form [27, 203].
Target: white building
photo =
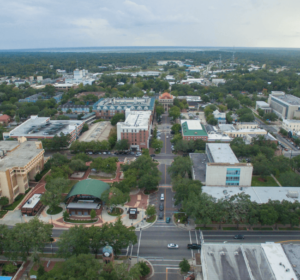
[216, 82]
[285, 106]
[221, 117]
[291, 125]
[224, 169]
[263, 105]
[136, 129]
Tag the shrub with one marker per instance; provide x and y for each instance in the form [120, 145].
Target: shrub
[93, 214]
[66, 215]
[145, 269]
[184, 266]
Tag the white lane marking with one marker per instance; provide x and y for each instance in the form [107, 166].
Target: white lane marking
[139, 244]
[191, 243]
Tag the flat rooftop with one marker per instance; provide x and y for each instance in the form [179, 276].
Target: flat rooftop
[292, 252]
[235, 262]
[19, 157]
[257, 194]
[33, 201]
[288, 98]
[221, 153]
[275, 255]
[138, 119]
[44, 127]
[199, 166]
[192, 128]
[226, 127]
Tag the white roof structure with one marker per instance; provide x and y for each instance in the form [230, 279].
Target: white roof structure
[257, 194]
[278, 261]
[33, 201]
[138, 119]
[221, 153]
[262, 104]
[218, 137]
[193, 124]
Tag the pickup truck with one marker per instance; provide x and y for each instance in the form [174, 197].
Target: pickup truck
[194, 246]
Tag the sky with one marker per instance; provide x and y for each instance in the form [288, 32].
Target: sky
[27, 24]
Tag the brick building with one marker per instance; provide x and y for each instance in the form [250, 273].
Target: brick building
[166, 99]
[136, 128]
[4, 119]
[193, 130]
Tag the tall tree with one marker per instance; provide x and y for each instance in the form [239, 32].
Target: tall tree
[74, 241]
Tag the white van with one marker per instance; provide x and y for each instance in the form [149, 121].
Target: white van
[162, 197]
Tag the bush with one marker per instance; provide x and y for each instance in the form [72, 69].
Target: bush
[41, 271]
[93, 214]
[184, 266]
[145, 269]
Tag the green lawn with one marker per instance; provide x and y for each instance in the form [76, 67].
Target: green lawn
[270, 182]
[100, 177]
[80, 221]
[116, 212]
[151, 219]
[17, 201]
[55, 211]
[69, 187]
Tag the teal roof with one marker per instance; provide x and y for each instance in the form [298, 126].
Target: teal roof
[89, 187]
[187, 132]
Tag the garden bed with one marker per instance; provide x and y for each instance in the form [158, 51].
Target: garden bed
[258, 228]
[80, 221]
[116, 212]
[3, 213]
[234, 228]
[151, 219]
[57, 210]
[289, 229]
[206, 228]
[147, 192]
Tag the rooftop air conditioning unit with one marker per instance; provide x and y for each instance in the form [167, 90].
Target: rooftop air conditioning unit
[292, 194]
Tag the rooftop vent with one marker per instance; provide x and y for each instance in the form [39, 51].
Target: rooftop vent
[292, 194]
[225, 192]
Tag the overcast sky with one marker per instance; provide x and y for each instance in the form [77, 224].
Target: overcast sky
[90, 23]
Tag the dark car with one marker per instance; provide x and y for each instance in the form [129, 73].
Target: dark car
[160, 215]
[152, 155]
[194, 246]
[161, 207]
[239, 236]
[168, 220]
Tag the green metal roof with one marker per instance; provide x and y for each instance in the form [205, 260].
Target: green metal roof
[187, 132]
[89, 187]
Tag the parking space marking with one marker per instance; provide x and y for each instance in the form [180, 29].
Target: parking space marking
[191, 243]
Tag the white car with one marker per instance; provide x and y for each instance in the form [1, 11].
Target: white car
[104, 153]
[173, 246]
[167, 136]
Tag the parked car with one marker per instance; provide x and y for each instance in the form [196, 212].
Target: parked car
[153, 155]
[90, 153]
[168, 220]
[161, 207]
[108, 153]
[173, 246]
[239, 236]
[160, 215]
[194, 246]
[104, 153]
[167, 136]
[99, 153]
[162, 197]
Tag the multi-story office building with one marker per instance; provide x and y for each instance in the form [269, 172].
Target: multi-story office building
[37, 128]
[136, 129]
[291, 125]
[20, 161]
[286, 106]
[224, 169]
[106, 108]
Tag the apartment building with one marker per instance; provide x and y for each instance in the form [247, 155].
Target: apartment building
[136, 129]
[106, 108]
[20, 161]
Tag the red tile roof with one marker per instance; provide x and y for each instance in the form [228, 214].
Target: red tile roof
[4, 118]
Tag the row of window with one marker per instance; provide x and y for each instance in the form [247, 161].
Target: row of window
[232, 184]
[232, 178]
[233, 172]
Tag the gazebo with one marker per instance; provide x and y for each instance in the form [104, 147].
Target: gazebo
[86, 196]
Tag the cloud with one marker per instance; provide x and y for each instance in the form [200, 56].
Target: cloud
[248, 23]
